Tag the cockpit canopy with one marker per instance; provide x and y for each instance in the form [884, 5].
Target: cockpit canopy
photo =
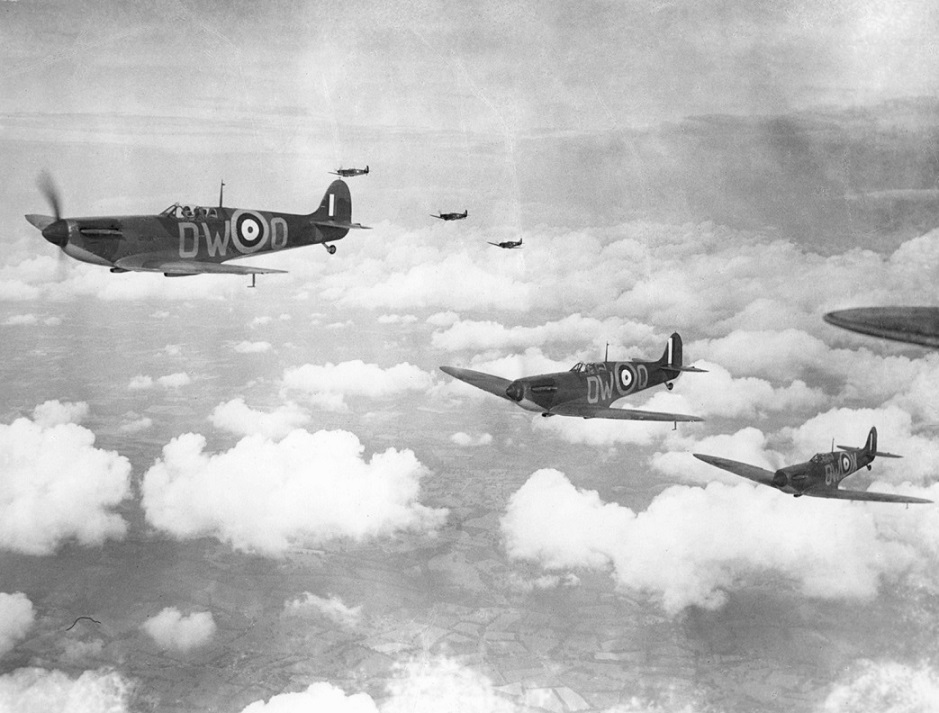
[190, 212]
[589, 367]
[823, 457]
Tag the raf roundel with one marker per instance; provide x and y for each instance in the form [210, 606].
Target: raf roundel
[625, 378]
[249, 231]
[845, 463]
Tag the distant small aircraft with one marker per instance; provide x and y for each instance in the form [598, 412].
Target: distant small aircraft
[192, 240]
[819, 477]
[913, 325]
[509, 244]
[350, 172]
[587, 390]
[451, 216]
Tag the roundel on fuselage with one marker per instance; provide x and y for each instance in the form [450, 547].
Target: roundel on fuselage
[845, 463]
[625, 378]
[249, 231]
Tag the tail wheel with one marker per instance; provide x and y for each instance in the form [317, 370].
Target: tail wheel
[331, 249]
[669, 385]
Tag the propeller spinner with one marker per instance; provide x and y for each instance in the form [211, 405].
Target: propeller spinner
[54, 229]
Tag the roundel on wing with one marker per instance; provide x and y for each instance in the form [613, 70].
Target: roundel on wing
[845, 463]
[249, 231]
[625, 378]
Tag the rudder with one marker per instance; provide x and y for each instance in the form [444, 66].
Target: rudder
[672, 355]
[336, 206]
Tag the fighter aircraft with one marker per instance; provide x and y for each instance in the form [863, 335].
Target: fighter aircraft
[509, 244]
[350, 172]
[191, 240]
[587, 390]
[913, 325]
[819, 477]
[451, 216]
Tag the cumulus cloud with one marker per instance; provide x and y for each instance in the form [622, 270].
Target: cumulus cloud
[332, 608]
[136, 424]
[397, 319]
[20, 320]
[174, 381]
[56, 485]
[267, 496]
[692, 545]
[54, 413]
[37, 690]
[138, 383]
[16, 618]
[171, 630]
[885, 687]
[426, 685]
[237, 417]
[328, 386]
[465, 439]
[246, 347]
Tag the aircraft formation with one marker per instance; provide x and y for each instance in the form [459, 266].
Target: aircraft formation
[187, 239]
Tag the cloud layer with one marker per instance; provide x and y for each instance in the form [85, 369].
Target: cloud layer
[16, 618]
[171, 630]
[267, 496]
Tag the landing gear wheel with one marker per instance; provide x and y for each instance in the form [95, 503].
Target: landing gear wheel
[669, 386]
[331, 249]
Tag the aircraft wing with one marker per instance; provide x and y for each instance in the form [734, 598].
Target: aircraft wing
[914, 325]
[750, 472]
[334, 224]
[624, 414]
[159, 263]
[840, 494]
[487, 382]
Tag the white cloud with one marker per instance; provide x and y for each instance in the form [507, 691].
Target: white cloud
[317, 697]
[136, 425]
[464, 439]
[885, 687]
[692, 545]
[237, 417]
[267, 496]
[37, 690]
[171, 630]
[332, 608]
[16, 618]
[56, 485]
[397, 319]
[138, 383]
[20, 320]
[252, 347]
[327, 386]
[174, 381]
[54, 413]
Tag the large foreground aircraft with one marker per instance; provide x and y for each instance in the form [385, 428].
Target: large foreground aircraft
[587, 390]
[913, 325]
[192, 240]
[821, 476]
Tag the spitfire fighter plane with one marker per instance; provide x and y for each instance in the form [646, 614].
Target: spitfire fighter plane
[509, 244]
[451, 216]
[821, 476]
[350, 172]
[192, 240]
[588, 390]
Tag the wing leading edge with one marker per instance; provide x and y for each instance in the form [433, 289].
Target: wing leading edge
[487, 382]
[839, 494]
[151, 263]
[750, 472]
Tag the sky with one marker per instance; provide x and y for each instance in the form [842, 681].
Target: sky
[273, 499]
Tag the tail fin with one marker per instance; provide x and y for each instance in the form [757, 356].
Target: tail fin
[870, 447]
[672, 355]
[336, 206]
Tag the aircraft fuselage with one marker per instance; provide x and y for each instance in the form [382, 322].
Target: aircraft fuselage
[824, 470]
[598, 384]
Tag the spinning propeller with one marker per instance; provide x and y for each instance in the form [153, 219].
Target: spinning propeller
[54, 229]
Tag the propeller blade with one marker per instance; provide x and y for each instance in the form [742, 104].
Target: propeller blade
[51, 192]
